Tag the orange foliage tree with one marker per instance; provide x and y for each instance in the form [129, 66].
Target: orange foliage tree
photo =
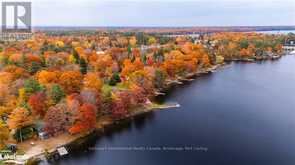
[91, 81]
[19, 118]
[71, 81]
[86, 119]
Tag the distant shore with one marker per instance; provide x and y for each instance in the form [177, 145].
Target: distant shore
[166, 29]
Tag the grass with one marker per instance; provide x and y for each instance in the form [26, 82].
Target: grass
[20, 152]
[122, 86]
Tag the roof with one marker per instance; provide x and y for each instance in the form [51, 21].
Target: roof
[290, 42]
[100, 52]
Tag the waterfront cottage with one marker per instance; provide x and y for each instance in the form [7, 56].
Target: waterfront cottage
[289, 45]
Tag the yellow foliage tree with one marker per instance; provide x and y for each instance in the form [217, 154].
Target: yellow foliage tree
[4, 134]
[59, 44]
[19, 118]
[152, 40]
[132, 41]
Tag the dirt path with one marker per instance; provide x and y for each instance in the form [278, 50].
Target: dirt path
[40, 145]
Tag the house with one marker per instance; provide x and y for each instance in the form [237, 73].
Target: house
[100, 52]
[289, 45]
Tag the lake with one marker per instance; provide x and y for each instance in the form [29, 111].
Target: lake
[277, 32]
[243, 114]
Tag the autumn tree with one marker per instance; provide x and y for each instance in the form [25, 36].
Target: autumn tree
[92, 81]
[37, 103]
[138, 94]
[47, 77]
[142, 79]
[118, 108]
[15, 72]
[86, 119]
[6, 77]
[58, 119]
[4, 134]
[130, 67]
[18, 119]
[206, 60]
[71, 81]
[74, 101]
[152, 40]
[132, 41]
[102, 64]
[4, 93]
[106, 98]
[90, 96]
[244, 53]
[160, 78]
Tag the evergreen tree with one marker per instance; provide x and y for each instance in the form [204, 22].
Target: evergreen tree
[115, 79]
[129, 49]
[32, 86]
[143, 59]
[76, 56]
[35, 67]
[83, 66]
[56, 93]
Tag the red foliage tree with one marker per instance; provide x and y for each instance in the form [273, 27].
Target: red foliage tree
[138, 94]
[150, 61]
[121, 102]
[37, 103]
[90, 96]
[86, 119]
[58, 119]
[118, 109]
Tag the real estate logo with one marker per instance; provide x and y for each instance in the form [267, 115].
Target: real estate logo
[16, 20]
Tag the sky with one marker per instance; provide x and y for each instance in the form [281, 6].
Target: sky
[162, 12]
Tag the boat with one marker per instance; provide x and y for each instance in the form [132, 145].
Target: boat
[275, 57]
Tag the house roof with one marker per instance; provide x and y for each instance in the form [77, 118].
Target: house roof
[290, 42]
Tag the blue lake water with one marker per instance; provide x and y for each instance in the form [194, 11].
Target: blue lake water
[241, 115]
[277, 32]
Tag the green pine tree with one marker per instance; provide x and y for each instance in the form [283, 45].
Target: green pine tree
[56, 93]
[76, 56]
[83, 66]
[115, 79]
[35, 67]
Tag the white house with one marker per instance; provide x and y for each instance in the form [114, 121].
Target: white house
[100, 52]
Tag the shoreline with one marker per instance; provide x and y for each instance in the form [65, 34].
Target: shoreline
[75, 140]
[70, 140]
